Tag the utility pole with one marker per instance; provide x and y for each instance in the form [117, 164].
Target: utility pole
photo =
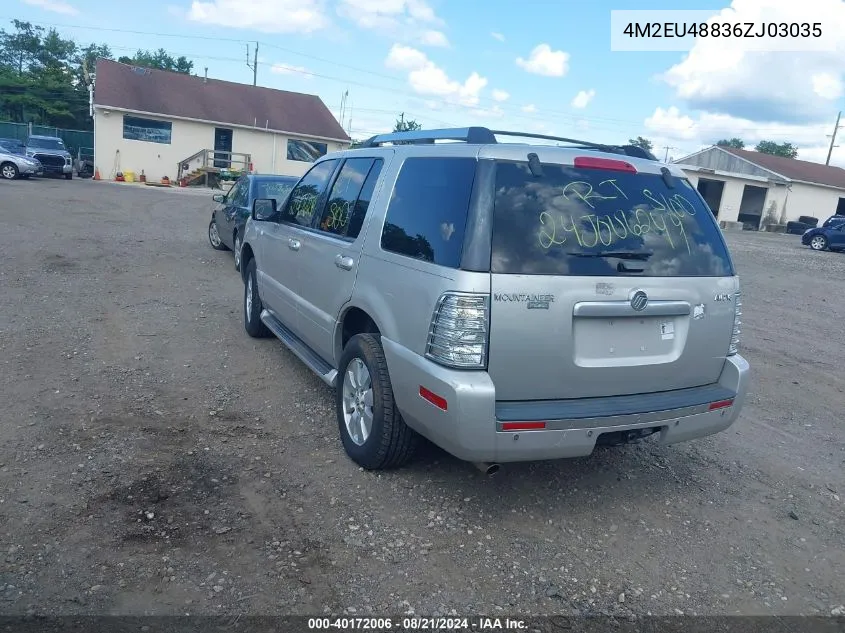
[343, 99]
[833, 137]
[666, 156]
[254, 65]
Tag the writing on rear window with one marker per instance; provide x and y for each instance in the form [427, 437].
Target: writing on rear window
[574, 221]
[663, 215]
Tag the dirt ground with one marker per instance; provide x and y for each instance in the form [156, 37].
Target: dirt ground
[154, 459]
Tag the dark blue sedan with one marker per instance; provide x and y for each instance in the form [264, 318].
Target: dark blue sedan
[828, 236]
[234, 208]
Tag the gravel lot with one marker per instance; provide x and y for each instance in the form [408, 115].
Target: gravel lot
[156, 460]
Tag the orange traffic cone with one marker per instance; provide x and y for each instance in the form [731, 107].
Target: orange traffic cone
[97, 173]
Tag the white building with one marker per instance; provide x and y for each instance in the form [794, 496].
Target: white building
[169, 124]
[756, 189]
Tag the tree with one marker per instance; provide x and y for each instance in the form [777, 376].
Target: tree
[37, 79]
[19, 50]
[406, 126]
[42, 80]
[787, 150]
[161, 60]
[735, 143]
[644, 143]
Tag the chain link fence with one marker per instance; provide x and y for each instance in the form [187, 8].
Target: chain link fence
[74, 140]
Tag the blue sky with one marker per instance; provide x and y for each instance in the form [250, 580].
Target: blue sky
[540, 66]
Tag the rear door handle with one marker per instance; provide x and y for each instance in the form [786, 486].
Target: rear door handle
[346, 263]
[294, 244]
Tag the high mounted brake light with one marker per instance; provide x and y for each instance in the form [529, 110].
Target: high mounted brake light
[591, 162]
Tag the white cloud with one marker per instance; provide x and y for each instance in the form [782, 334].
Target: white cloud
[289, 69]
[387, 15]
[426, 78]
[497, 36]
[268, 16]
[688, 134]
[583, 98]
[722, 75]
[501, 95]
[544, 61]
[434, 38]
[405, 58]
[56, 6]
[827, 86]
[529, 108]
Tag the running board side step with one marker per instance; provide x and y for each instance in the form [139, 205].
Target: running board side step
[324, 370]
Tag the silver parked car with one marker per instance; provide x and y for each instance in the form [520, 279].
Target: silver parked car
[17, 166]
[507, 301]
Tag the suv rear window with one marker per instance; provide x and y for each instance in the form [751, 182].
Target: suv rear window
[589, 222]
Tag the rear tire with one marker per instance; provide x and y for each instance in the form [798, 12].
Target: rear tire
[9, 171]
[68, 176]
[364, 395]
[253, 307]
[818, 242]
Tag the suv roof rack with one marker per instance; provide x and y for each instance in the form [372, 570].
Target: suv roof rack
[485, 136]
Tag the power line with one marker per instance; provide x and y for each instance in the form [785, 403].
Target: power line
[667, 148]
[606, 121]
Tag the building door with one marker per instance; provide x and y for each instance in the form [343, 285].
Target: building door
[840, 208]
[711, 191]
[751, 207]
[222, 147]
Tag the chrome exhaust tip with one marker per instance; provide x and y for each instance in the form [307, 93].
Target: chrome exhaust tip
[487, 468]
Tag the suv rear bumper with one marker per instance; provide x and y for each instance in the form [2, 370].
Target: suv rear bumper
[470, 425]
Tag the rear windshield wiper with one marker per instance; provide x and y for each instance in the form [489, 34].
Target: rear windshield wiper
[642, 256]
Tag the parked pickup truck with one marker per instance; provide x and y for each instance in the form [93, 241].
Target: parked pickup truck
[50, 151]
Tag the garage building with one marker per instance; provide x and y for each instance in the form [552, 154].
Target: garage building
[758, 189]
[183, 126]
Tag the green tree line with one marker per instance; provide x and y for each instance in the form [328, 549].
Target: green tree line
[787, 150]
[42, 76]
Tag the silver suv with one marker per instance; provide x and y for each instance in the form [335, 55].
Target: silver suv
[507, 301]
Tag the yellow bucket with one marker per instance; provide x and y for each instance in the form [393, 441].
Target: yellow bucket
[129, 176]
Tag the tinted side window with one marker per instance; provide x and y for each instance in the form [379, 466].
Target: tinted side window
[240, 193]
[303, 200]
[350, 197]
[427, 214]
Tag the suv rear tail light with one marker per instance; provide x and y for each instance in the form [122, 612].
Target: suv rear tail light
[458, 334]
[591, 162]
[734, 346]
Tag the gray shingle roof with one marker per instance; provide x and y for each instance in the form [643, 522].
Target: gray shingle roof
[122, 86]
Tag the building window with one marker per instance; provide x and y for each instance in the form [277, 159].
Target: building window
[137, 129]
[305, 151]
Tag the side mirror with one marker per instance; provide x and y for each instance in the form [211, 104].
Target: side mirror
[218, 197]
[264, 209]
